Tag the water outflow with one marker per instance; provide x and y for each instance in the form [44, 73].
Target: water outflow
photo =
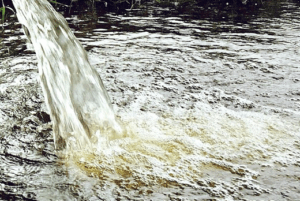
[78, 102]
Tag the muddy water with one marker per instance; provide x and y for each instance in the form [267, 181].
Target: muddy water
[211, 111]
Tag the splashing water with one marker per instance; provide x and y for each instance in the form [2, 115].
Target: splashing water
[79, 105]
[177, 146]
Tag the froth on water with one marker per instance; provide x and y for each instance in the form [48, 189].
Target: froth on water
[172, 146]
[79, 105]
[172, 153]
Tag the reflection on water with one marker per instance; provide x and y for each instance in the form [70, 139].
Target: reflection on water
[211, 111]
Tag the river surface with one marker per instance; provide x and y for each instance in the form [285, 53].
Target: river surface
[211, 111]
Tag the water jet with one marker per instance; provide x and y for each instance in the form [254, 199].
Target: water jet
[76, 98]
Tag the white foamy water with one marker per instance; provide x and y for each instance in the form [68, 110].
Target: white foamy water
[205, 117]
[197, 153]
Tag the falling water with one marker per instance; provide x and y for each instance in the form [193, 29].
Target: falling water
[79, 105]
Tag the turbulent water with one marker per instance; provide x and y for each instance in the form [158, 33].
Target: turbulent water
[210, 111]
[75, 96]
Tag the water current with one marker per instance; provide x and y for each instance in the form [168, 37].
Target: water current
[210, 110]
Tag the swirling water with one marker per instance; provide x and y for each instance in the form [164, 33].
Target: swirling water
[210, 109]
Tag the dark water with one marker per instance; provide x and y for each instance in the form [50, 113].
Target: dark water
[210, 103]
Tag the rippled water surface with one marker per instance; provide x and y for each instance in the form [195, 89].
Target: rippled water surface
[211, 111]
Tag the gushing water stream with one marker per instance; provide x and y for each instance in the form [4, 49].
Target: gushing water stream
[79, 105]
